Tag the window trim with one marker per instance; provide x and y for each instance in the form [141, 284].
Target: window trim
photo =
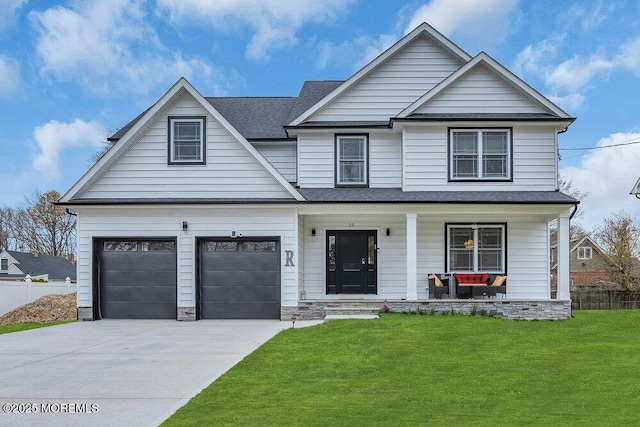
[478, 225]
[478, 130]
[203, 141]
[584, 248]
[337, 138]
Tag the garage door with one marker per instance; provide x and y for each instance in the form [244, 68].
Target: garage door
[240, 279]
[137, 279]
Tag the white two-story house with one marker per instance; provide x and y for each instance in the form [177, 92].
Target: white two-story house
[425, 161]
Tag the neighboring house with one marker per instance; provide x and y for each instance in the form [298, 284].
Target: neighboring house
[17, 265]
[427, 160]
[636, 189]
[588, 263]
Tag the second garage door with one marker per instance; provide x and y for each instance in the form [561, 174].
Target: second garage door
[239, 279]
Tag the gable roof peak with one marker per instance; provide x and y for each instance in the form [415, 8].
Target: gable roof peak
[500, 71]
[422, 30]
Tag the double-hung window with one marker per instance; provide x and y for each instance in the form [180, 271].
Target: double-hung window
[4, 264]
[476, 248]
[187, 142]
[351, 160]
[479, 154]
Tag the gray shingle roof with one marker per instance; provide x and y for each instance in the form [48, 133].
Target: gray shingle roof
[311, 93]
[396, 195]
[56, 267]
[256, 118]
[260, 117]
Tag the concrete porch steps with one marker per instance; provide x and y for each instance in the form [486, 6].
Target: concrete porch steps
[330, 317]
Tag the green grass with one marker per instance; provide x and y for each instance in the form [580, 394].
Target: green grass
[17, 327]
[434, 370]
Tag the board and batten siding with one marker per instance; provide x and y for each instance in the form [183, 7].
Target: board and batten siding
[480, 91]
[230, 170]
[164, 222]
[317, 159]
[426, 163]
[392, 253]
[394, 85]
[281, 155]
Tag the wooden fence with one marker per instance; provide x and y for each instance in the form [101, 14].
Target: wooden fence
[589, 299]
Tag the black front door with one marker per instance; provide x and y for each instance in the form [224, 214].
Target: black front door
[351, 262]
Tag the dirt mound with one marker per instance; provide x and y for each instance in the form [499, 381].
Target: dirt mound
[50, 308]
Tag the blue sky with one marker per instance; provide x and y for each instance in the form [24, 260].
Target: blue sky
[73, 72]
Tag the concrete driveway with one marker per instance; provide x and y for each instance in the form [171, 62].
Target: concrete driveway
[118, 372]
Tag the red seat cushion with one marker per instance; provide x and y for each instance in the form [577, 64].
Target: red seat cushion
[472, 278]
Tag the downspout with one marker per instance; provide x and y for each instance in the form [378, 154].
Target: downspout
[575, 210]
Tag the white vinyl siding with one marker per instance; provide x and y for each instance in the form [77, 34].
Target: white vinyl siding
[207, 221]
[525, 250]
[231, 171]
[317, 163]
[480, 91]
[426, 162]
[526, 254]
[398, 82]
[316, 160]
[281, 155]
[385, 160]
[392, 263]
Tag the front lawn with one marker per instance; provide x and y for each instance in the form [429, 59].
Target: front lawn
[17, 327]
[434, 370]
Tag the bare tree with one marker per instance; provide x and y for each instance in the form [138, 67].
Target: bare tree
[5, 234]
[619, 236]
[575, 229]
[44, 227]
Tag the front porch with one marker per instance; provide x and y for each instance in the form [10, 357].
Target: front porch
[512, 309]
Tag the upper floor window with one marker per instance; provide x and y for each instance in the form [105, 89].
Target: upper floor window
[187, 140]
[585, 252]
[351, 160]
[479, 154]
[4, 264]
[476, 248]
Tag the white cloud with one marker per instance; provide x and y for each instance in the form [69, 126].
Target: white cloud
[479, 22]
[274, 22]
[107, 45]
[570, 102]
[589, 15]
[55, 137]
[8, 10]
[365, 48]
[608, 175]
[9, 76]
[569, 79]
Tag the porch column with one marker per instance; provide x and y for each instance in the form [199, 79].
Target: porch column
[563, 256]
[412, 254]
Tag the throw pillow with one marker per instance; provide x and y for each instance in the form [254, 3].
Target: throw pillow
[437, 280]
[499, 281]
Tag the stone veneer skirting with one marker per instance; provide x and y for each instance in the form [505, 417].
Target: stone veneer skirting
[502, 308]
[186, 313]
[85, 313]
